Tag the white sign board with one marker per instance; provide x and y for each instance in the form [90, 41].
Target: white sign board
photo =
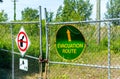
[23, 64]
[22, 41]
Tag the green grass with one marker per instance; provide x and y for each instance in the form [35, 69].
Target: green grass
[95, 54]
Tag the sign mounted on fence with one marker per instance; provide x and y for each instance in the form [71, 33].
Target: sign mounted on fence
[22, 41]
[69, 42]
[23, 64]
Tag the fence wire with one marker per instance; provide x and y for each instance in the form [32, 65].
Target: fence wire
[93, 62]
[32, 31]
[5, 57]
[10, 66]
[115, 51]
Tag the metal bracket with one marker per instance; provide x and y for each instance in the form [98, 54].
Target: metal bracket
[42, 60]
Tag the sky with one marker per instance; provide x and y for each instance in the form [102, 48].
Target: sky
[50, 5]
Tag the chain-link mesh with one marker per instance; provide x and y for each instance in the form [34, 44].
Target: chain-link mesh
[33, 69]
[9, 32]
[115, 51]
[32, 33]
[5, 57]
[76, 72]
[93, 62]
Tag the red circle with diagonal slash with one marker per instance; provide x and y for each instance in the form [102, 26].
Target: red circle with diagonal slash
[26, 42]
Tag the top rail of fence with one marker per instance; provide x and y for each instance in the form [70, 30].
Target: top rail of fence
[78, 22]
[29, 22]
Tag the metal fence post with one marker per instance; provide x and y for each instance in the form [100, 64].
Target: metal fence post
[46, 28]
[109, 55]
[12, 51]
[40, 27]
[98, 13]
[47, 45]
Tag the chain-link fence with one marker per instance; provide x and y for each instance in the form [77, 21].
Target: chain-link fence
[32, 33]
[10, 50]
[20, 48]
[5, 56]
[115, 51]
[97, 61]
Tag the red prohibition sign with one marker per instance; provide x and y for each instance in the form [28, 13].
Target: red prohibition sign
[19, 41]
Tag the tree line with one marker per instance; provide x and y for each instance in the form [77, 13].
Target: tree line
[71, 10]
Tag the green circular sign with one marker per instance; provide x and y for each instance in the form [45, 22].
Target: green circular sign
[69, 42]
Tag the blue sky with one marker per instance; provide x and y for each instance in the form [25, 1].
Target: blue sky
[51, 5]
